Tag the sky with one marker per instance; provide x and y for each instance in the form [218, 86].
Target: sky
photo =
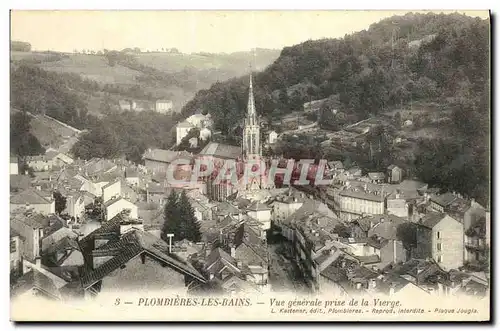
[188, 31]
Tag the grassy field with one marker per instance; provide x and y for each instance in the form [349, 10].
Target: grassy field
[234, 62]
[49, 132]
[95, 67]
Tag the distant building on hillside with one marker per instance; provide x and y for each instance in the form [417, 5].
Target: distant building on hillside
[182, 129]
[14, 165]
[127, 105]
[164, 106]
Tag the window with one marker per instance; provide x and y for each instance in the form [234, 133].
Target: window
[439, 258]
[12, 246]
[439, 247]
[438, 235]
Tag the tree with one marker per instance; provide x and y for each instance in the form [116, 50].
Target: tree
[342, 230]
[397, 120]
[95, 209]
[22, 141]
[60, 202]
[192, 226]
[179, 219]
[407, 234]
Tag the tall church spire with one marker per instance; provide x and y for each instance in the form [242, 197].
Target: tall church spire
[251, 113]
[251, 132]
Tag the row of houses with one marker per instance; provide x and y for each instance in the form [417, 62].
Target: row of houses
[325, 247]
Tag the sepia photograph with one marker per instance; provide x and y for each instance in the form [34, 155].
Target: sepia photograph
[182, 165]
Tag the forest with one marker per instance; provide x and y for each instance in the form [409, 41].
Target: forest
[416, 57]
[403, 59]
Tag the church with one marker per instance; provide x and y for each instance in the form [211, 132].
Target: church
[253, 178]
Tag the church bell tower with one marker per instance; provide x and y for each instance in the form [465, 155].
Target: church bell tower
[251, 132]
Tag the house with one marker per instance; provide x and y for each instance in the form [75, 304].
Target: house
[284, 206]
[164, 106]
[441, 237]
[130, 193]
[233, 275]
[202, 210]
[199, 120]
[335, 165]
[127, 104]
[19, 182]
[111, 190]
[75, 204]
[14, 165]
[97, 167]
[53, 238]
[40, 162]
[117, 205]
[376, 177]
[30, 227]
[35, 284]
[272, 137]
[133, 261]
[156, 193]
[182, 130]
[384, 226]
[476, 244]
[261, 212]
[15, 252]
[394, 174]
[246, 245]
[356, 203]
[132, 177]
[59, 159]
[440, 203]
[158, 160]
[221, 191]
[60, 249]
[38, 201]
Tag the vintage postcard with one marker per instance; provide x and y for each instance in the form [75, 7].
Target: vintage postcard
[250, 166]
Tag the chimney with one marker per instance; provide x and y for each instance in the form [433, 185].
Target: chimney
[373, 283]
[382, 220]
[391, 290]
[239, 264]
[358, 286]
[38, 262]
[233, 251]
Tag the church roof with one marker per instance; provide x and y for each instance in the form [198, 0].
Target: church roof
[221, 151]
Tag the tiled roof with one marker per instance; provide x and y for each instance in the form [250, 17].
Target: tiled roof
[370, 259]
[129, 246]
[258, 206]
[443, 199]
[30, 196]
[20, 182]
[221, 151]
[111, 183]
[37, 280]
[162, 155]
[57, 236]
[33, 220]
[431, 219]
[218, 259]
[246, 235]
[362, 195]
